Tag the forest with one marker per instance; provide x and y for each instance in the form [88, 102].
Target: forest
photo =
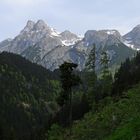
[67, 104]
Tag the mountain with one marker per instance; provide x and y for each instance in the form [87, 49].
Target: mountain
[105, 40]
[5, 44]
[132, 38]
[43, 45]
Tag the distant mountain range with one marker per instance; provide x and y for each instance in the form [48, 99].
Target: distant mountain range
[45, 46]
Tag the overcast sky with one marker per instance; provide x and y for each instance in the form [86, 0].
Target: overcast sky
[74, 15]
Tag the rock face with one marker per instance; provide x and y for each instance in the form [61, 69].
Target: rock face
[105, 40]
[101, 37]
[44, 45]
[132, 38]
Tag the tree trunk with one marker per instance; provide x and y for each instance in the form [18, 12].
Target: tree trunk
[70, 112]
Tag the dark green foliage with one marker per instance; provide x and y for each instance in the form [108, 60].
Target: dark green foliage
[106, 76]
[127, 76]
[55, 133]
[114, 121]
[90, 75]
[104, 64]
[90, 64]
[90, 67]
[26, 91]
[68, 80]
[98, 87]
[80, 106]
[28, 94]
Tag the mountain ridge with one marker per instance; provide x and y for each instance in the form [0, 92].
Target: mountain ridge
[37, 39]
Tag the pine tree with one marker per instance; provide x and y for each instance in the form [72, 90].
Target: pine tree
[104, 64]
[68, 81]
[91, 75]
[106, 76]
[123, 78]
[90, 64]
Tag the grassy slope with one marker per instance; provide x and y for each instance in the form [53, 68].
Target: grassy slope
[114, 121]
[117, 121]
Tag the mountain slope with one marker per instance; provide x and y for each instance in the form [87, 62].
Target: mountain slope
[105, 40]
[44, 45]
[113, 121]
[132, 38]
[27, 92]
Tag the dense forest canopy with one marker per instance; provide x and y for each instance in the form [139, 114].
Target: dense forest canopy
[103, 107]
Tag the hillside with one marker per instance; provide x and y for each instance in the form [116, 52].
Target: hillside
[27, 92]
[115, 115]
[114, 121]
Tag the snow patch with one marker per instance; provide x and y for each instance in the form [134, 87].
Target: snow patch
[128, 38]
[54, 32]
[110, 32]
[70, 42]
[128, 44]
[81, 36]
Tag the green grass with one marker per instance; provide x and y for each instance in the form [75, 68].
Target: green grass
[128, 131]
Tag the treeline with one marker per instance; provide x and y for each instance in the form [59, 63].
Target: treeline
[127, 75]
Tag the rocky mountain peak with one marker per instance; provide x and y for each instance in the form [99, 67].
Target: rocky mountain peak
[101, 37]
[66, 32]
[30, 23]
[93, 36]
[134, 32]
[133, 38]
[41, 25]
[102, 33]
[112, 32]
[29, 26]
[41, 22]
[67, 35]
[138, 26]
